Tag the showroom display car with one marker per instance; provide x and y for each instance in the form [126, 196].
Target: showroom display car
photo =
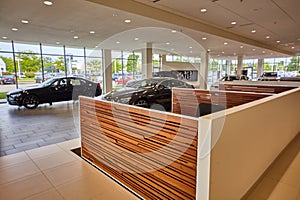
[54, 90]
[148, 93]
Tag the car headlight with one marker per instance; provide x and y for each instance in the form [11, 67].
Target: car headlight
[15, 95]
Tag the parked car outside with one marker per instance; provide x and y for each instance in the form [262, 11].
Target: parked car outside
[8, 79]
[269, 76]
[147, 93]
[54, 90]
[215, 86]
[123, 79]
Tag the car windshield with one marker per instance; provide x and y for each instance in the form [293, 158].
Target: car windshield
[148, 83]
[48, 82]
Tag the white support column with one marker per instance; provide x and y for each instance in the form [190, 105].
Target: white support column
[228, 67]
[260, 67]
[203, 71]
[239, 65]
[107, 64]
[147, 61]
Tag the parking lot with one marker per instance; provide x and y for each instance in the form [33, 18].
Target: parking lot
[22, 129]
[10, 87]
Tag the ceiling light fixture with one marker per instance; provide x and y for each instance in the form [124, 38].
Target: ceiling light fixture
[203, 10]
[167, 43]
[24, 21]
[191, 51]
[118, 42]
[253, 31]
[4, 37]
[208, 50]
[173, 31]
[92, 32]
[204, 38]
[253, 49]
[241, 46]
[233, 22]
[268, 37]
[263, 52]
[292, 47]
[278, 41]
[136, 39]
[127, 21]
[223, 52]
[14, 29]
[75, 37]
[225, 43]
[48, 3]
[190, 47]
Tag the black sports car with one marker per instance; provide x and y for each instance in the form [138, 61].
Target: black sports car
[148, 93]
[54, 90]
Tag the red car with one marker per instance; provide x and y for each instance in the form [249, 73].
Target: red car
[124, 81]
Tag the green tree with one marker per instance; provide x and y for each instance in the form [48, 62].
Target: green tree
[9, 63]
[94, 66]
[132, 62]
[294, 64]
[29, 62]
[59, 64]
[267, 67]
[116, 66]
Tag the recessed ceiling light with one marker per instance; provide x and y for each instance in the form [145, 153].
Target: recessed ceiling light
[253, 49]
[241, 46]
[167, 43]
[75, 37]
[203, 10]
[127, 20]
[24, 21]
[57, 42]
[172, 49]
[4, 37]
[114, 15]
[204, 38]
[234, 54]
[263, 52]
[292, 47]
[223, 52]
[253, 31]
[191, 51]
[268, 37]
[117, 42]
[48, 3]
[136, 39]
[233, 22]
[173, 31]
[278, 41]
[208, 50]
[191, 47]
[271, 53]
[92, 32]
[14, 29]
[225, 43]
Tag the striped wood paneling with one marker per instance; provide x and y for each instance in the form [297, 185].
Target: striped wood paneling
[255, 88]
[152, 153]
[186, 101]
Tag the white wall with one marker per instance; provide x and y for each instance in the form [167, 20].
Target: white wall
[245, 140]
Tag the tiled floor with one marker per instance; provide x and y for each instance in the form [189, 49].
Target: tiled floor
[54, 172]
[23, 129]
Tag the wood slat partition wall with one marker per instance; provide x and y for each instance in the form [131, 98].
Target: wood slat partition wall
[186, 101]
[152, 153]
[255, 88]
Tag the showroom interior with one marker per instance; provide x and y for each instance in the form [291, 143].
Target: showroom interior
[218, 140]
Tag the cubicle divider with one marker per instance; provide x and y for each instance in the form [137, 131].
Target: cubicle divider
[152, 153]
[187, 101]
[161, 155]
[274, 88]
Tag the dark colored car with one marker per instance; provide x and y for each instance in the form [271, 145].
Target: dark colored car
[148, 93]
[54, 90]
[8, 79]
[269, 76]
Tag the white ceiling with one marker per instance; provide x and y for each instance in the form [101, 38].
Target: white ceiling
[68, 18]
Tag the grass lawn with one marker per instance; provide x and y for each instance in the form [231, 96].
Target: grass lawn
[3, 95]
[26, 79]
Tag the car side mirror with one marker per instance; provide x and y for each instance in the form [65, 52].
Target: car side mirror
[161, 87]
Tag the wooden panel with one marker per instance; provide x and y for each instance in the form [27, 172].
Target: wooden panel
[186, 101]
[255, 88]
[152, 153]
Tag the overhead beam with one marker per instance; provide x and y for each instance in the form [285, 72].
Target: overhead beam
[172, 18]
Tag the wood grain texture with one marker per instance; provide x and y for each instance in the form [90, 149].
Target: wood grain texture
[152, 153]
[275, 89]
[186, 101]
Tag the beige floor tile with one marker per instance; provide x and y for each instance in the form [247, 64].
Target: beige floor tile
[13, 159]
[70, 144]
[263, 189]
[85, 188]
[67, 172]
[53, 160]
[25, 187]
[43, 151]
[115, 194]
[284, 192]
[51, 194]
[292, 177]
[17, 171]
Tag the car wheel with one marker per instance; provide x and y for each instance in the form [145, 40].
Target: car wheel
[31, 101]
[142, 103]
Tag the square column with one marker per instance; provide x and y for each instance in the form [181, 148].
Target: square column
[107, 65]
[239, 65]
[260, 67]
[147, 61]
